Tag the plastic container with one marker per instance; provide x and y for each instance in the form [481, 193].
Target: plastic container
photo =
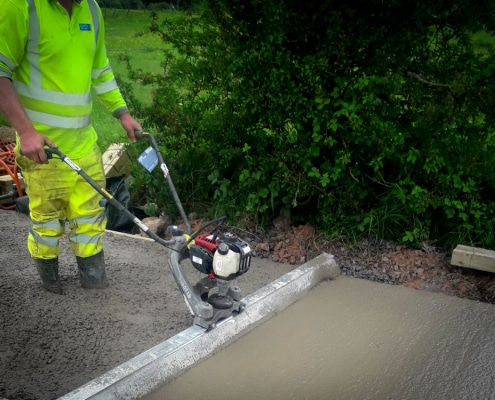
[225, 261]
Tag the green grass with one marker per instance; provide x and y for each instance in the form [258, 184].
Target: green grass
[124, 35]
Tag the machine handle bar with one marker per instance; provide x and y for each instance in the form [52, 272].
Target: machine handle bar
[50, 152]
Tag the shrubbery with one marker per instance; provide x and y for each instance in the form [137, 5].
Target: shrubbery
[364, 118]
[122, 4]
[155, 5]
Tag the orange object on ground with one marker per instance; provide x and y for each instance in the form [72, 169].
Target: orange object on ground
[8, 165]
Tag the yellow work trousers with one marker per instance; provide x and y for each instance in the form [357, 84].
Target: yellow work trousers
[57, 195]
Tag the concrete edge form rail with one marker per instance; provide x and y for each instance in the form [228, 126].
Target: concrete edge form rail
[155, 367]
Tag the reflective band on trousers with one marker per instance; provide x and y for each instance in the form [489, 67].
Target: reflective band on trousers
[53, 224]
[82, 237]
[46, 240]
[87, 220]
[85, 239]
[35, 90]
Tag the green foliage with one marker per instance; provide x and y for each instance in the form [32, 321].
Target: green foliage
[126, 36]
[122, 4]
[3, 121]
[154, 5]
[363, 118]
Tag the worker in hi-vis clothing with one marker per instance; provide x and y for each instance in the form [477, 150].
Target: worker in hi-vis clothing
[52, 53]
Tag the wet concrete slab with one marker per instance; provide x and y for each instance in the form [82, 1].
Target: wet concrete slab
[355, 339]
[141, 375]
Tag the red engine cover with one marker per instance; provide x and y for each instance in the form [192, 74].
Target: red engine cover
[206, 241]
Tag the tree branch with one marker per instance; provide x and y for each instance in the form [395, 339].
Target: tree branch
[419, 78]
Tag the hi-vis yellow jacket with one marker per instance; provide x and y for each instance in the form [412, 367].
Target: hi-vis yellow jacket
[54, 60]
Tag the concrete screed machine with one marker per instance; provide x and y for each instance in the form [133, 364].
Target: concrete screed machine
[222, 257]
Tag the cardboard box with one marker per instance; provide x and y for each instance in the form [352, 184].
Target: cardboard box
[116, 160]
[7, 132]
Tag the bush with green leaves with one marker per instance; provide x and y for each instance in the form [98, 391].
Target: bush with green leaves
[373, 118]
[122, 4]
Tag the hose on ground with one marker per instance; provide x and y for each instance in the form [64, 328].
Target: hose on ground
[11, 169]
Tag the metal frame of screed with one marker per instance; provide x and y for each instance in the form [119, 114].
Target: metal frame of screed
[157, 366]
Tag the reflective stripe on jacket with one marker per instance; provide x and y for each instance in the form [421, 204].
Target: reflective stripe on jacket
[54, 60]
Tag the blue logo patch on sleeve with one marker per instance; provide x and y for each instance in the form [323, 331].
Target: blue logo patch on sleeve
[85, 27]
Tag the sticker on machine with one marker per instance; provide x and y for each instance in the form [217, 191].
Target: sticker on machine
[197, 260]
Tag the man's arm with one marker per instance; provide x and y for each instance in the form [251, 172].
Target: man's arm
[32, 142]
[14, 19]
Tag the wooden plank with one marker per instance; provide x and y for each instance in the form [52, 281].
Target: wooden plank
[473, 257]
[116, 160]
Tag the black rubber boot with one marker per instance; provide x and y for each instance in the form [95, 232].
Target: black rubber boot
[48, 271]
[92, 271]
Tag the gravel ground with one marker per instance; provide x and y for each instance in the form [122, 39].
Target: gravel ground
[52, 344]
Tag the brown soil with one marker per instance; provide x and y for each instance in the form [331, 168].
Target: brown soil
[428, 268]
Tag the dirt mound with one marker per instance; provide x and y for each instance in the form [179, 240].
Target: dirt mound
[381, 261]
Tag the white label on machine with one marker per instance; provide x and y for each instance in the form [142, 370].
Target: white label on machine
[164, 169]
[141, 225]
[71, 164]
[218, 266]
[148, 159]
[197, 260]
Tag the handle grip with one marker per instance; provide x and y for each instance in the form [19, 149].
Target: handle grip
[138, 134]
[50, 151]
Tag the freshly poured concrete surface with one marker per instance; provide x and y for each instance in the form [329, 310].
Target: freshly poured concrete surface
[161, 364]
[355, 339]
